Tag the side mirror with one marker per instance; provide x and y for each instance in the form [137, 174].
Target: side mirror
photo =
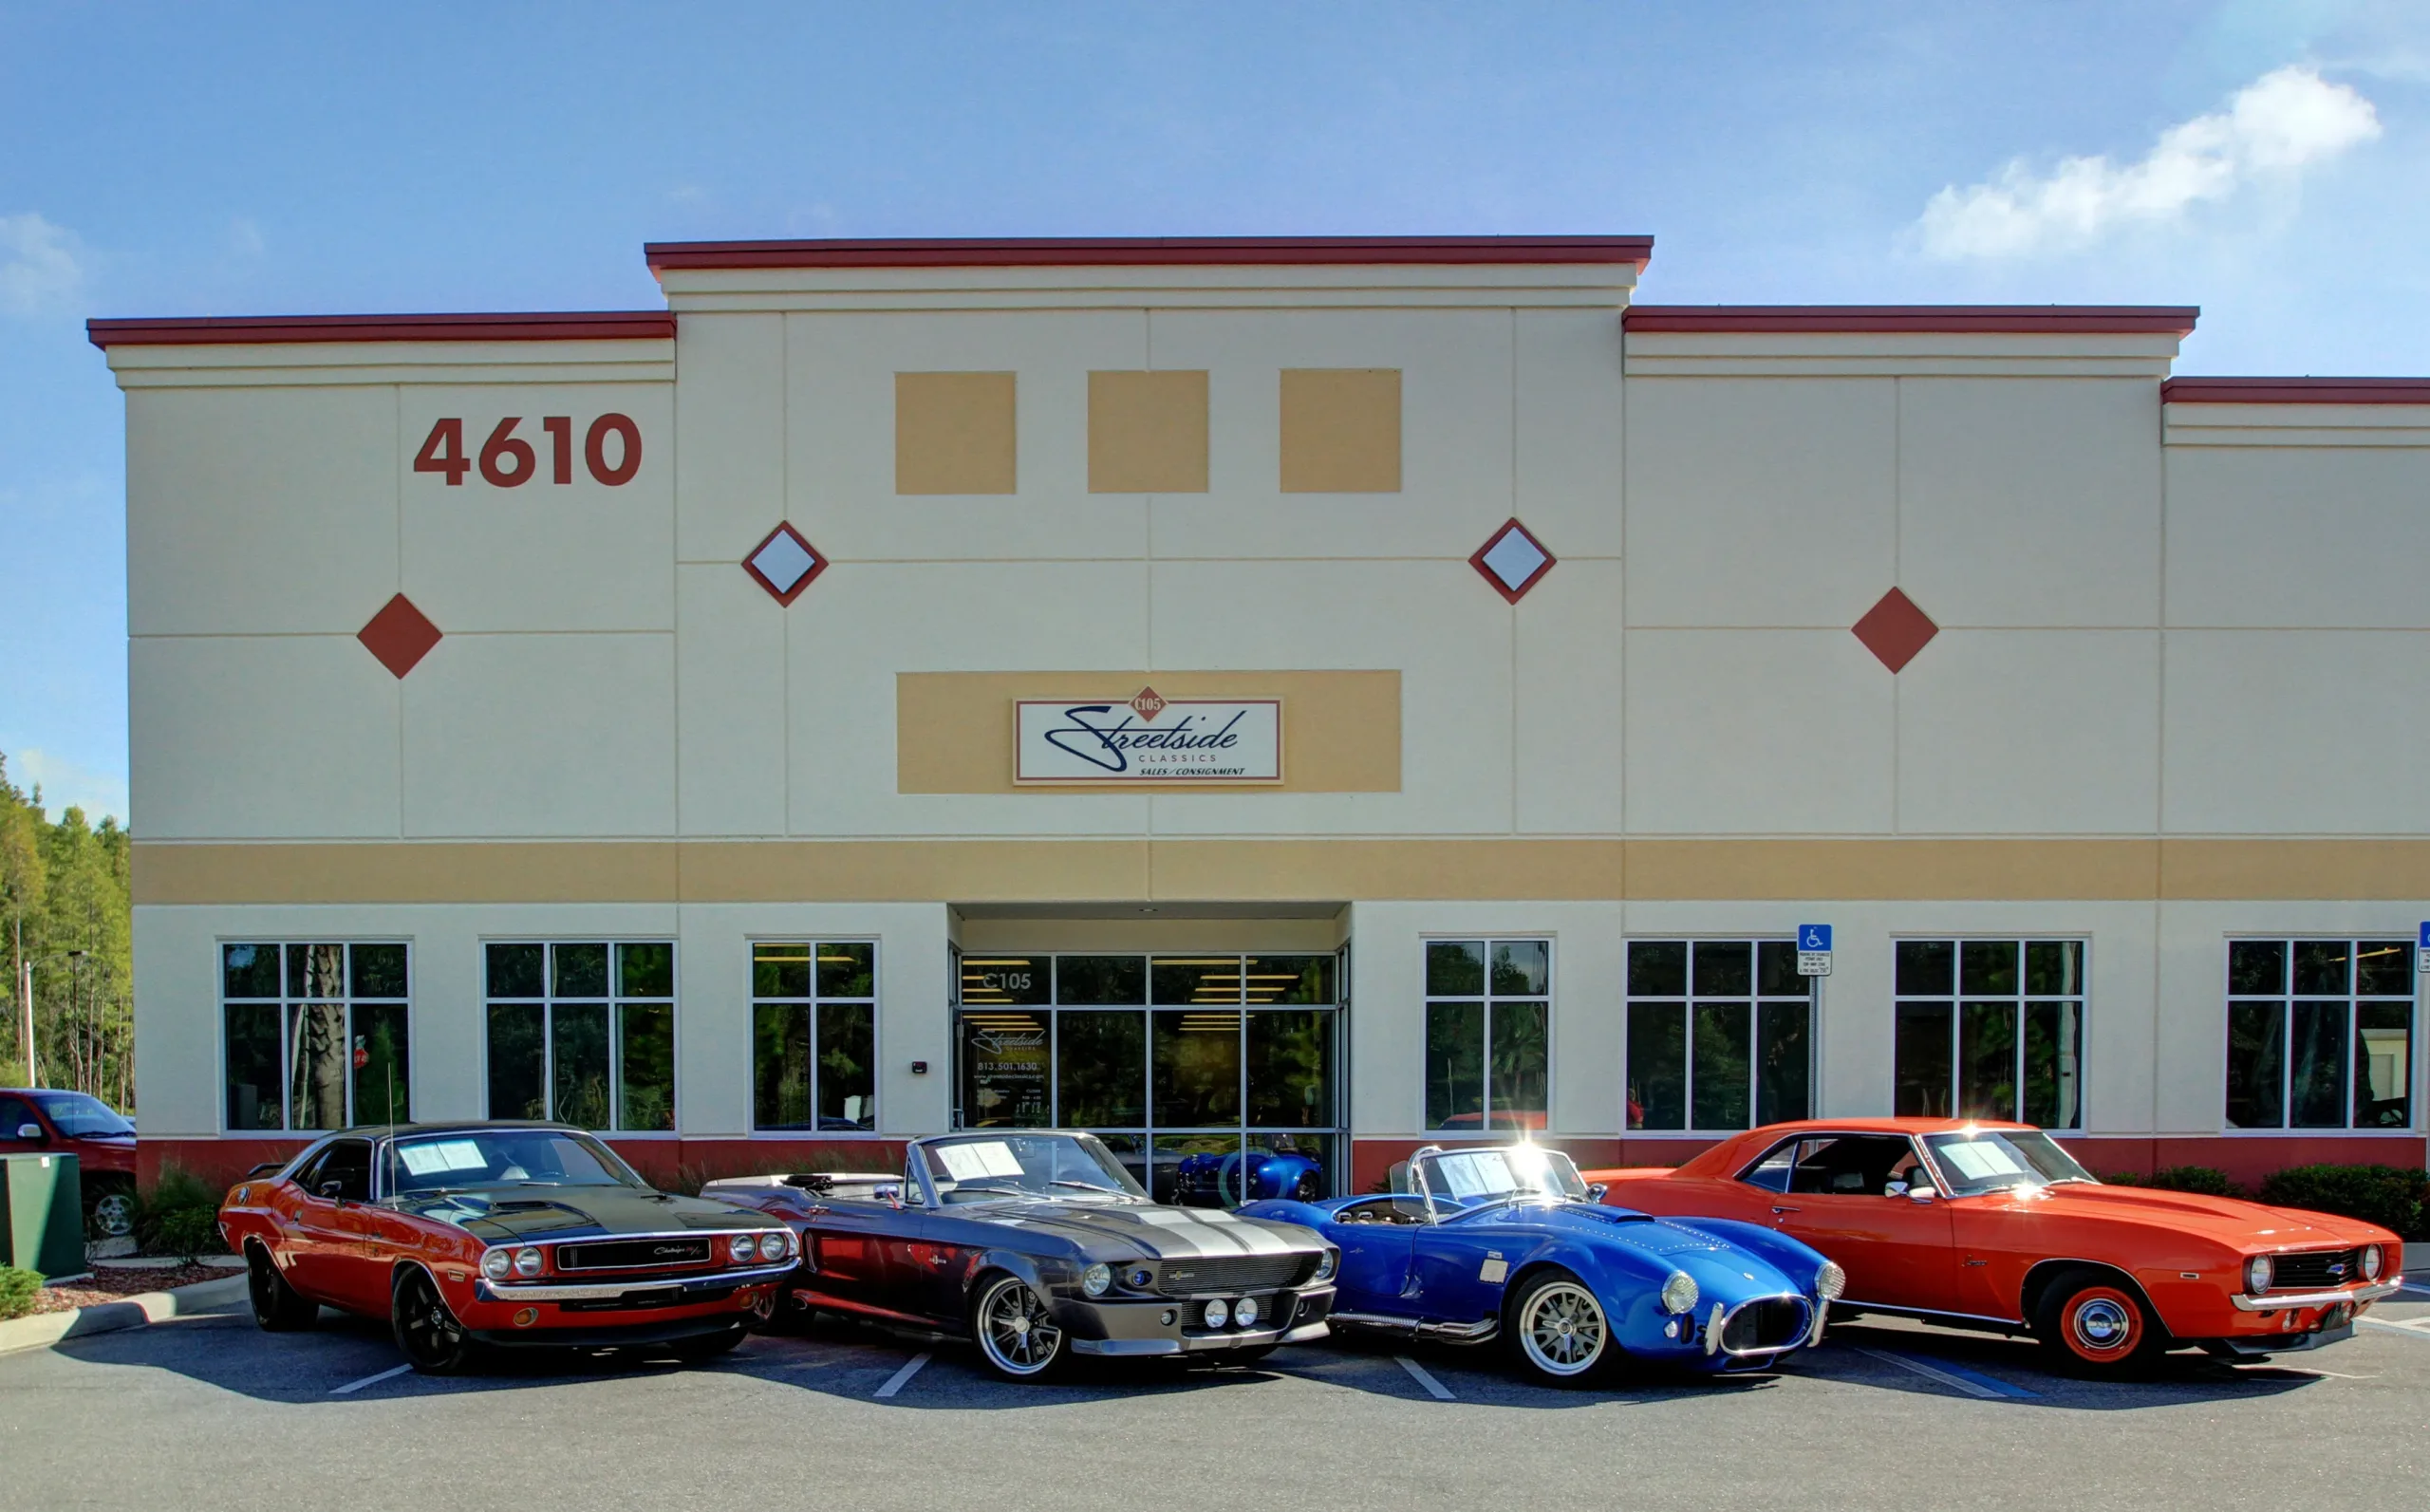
[333, 1190]
[1920, 1194]
[890, 1194]
[33, 1131]
[1894, 1189]
[1595, 1190]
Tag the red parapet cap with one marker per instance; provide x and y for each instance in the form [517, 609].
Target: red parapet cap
[219, 330]
[1151, 252]
[2296, 391]
[2029, 320]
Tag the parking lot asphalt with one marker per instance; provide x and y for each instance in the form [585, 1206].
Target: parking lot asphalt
[207, 1412]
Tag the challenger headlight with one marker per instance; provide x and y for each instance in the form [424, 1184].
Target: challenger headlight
[742, 1247]
[498, 1264]
[1830, 1282]
[1679, 1294]
[526, 1262]
[2258, 1273]
[1096, 1278]
[1330, 1262]
[774, 1246]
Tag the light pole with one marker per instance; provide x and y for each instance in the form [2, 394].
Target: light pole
[26, 996]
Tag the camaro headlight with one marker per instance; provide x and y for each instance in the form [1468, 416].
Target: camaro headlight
[1330, 1262]
[2258, 1272]
[2371, 1262]
[1830, 1282]
[1096, 1278]
[742, 1247]
[526, 1262]
[1679, 1294]
[496, 1264]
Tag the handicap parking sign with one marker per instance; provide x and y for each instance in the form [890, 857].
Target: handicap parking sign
[1813, 950]
[1818, 936]
[2426, 946]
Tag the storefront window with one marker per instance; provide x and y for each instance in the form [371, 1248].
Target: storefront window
[813, 1036]
[315, 1035]
[2320, 1034]
[1487, 1023]
[1719, 1034]
[1990, 1029]
[582, 1033]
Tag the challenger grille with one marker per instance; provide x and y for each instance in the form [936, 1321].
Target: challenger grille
[1774, 1323]
[633, 1254]
[1231, 1273]
[2317, 1271]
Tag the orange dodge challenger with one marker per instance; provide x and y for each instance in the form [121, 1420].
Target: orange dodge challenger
[1993, 1227]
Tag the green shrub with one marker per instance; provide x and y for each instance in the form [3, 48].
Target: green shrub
[180, 1216]
[18, 1290]
[2204, 1178]
[2390, 1196]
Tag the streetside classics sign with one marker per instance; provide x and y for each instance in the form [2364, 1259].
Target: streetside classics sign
[1148, 739]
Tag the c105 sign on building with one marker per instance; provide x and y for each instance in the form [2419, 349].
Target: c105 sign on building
[1148, 739]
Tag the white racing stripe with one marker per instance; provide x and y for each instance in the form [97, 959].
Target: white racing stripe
[903, 1377]
[1425, 1378]
[352, 1387]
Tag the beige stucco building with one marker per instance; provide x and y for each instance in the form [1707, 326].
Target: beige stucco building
[718, 724]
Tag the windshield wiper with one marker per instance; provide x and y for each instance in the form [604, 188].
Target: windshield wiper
[1086, 1186]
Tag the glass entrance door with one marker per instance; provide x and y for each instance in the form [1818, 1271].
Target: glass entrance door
[1213, 1077]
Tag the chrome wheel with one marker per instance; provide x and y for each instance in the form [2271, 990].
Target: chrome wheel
[114, 1215]
[1015, 1330]
[1561, 1329]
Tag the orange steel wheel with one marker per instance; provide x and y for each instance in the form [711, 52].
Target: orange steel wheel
[2102, 1325]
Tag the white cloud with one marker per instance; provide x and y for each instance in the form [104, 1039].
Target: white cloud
[65, 785]
[2279, 125]
[39, 270]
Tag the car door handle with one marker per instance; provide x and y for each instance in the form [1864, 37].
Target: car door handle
[1777, 1211]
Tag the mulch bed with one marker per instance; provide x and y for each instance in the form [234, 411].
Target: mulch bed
[111, 1282]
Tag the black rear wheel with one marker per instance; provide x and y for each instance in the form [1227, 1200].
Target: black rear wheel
[433, 1341]
[277, 1307]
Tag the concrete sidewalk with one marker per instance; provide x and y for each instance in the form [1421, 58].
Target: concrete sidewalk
[46, 1329]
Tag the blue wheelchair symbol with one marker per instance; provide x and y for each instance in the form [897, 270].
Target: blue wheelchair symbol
[2426, 937]
[1818, 936]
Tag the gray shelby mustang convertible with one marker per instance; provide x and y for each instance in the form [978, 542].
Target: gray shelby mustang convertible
[1036, 1245]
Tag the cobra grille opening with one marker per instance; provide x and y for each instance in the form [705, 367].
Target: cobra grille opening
[1774, 1323]
[1231, 1273]
[632, 1254]
[2316, 1271]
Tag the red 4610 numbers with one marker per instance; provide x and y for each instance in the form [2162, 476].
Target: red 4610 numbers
[506, 460]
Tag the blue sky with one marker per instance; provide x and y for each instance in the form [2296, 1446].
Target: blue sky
[2269, 161]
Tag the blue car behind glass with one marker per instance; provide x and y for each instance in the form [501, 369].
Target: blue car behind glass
[1502, 1243]
[1227, 1179]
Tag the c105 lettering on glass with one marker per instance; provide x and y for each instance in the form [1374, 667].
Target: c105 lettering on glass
[506, 460]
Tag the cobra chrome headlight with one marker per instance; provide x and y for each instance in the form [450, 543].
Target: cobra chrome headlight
[2258, 1273]
[1330, 1262]
[1096, 1278]
[1830, 1282]
[526, 1262]
[2371, 1262]
[743, 1247]
[1680, 1294]
[498, 1264]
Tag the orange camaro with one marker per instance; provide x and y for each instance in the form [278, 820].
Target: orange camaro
[1993, 1227]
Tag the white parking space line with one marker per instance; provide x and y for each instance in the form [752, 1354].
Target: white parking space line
[1425, 1378]
[903, 1377]
[1971, 1384]
[2419, 1329]
[352, 1387]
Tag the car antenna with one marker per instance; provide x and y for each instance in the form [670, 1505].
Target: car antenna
[391, 1161]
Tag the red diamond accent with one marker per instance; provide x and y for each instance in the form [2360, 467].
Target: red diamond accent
[792, 547]
[400, 635]
[1147, 704]
[1500, 554]
[1895, 629]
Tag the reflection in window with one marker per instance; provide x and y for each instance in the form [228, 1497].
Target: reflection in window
[814, 1031]
[2320, 1034]
[1719, 1034]
[1990, 1029]
[315, 1035]
[582, 1033]
[1487, 1027]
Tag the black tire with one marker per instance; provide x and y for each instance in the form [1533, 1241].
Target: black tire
[708, 1347]
[1556, 1329]
[278, 1308]
[427, 1332]
[1305, 1190]
[2091, 1325]
[1016, 1334]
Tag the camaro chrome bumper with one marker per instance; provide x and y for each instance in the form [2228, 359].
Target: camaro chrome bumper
[489, 1291]
[1193, 1343]
[2290, 1301]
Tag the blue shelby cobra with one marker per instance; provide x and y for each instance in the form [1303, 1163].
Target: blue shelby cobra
[1214, 1180]
[1504, 1242]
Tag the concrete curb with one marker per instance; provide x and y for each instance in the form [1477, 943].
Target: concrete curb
[144, 1308]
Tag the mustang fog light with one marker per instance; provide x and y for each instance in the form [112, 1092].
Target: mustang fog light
[2371, 1262]
[1217, 1313]
[1141, 1277]
[496, 1264]
[1168, 1318]
[1830, 1282]
[1244, 1311]
[1327, 1265]
[2258, 1273]
[526, 1317]
[1679, 1294]
[527, 1262]
[742, 1247]
[1096, 1278]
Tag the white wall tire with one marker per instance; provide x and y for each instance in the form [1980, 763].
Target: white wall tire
[1560, 1331]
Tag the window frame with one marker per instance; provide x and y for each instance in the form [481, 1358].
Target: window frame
[1486, 998]
[1687, 999]
[284, 1002]
[1957, 997]
[2286, 1000]
[615, 1002]
[877, 1032]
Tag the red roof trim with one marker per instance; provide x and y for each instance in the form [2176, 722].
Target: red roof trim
[1143, 251]
[214, 330]
[2296, 391]
[2041, 320]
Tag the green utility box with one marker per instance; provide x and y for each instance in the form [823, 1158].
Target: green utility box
[42, 1215]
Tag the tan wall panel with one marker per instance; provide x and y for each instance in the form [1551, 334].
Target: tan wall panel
[954, 432]
[1341, 430]
[1891, 868]
[1148, 433]
[881, 871]
[430, 871]
[2334, 870]
[1117, 935]
[1318, 869]
[953, 731]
